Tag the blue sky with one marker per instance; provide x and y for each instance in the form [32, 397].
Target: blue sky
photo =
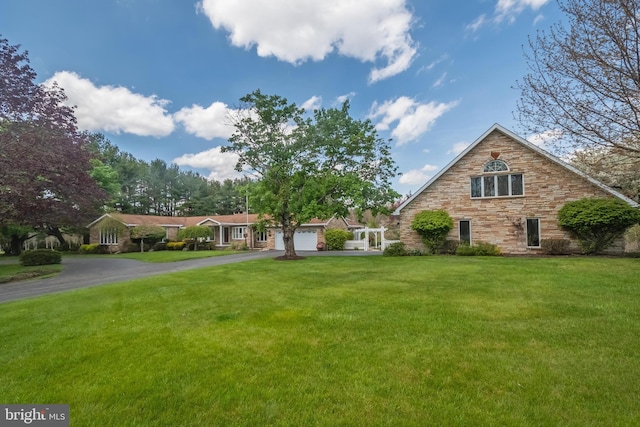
[159, 77]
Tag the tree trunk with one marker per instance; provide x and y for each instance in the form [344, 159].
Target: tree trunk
[289, 249]
[16, 244]
[55, 232]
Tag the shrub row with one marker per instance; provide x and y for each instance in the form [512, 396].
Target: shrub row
[451, 247]
[40, 257]
[479, 249]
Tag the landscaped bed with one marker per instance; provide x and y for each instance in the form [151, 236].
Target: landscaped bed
[338, 341]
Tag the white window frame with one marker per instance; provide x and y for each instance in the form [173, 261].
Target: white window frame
[108, 236]
[539, 232]
[491, 166]
[495, 186]
[261, 236]
[237, 233]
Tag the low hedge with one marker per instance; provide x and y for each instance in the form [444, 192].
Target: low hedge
[479, 249]
[395, 249]
[555, 246]
[176, 246]
[160, 246]
[40, 257]
[93, 248]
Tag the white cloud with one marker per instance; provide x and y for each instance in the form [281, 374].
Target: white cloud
[538, 19]
[413, 118]
[417, 176]
[458, 148]
[478, 23]
[221, 165]
[434, 63]
[114, 109]
[370, 31]
[208, 123]
[312, 103]
[342, 98]
[440, 81]
[507, 10]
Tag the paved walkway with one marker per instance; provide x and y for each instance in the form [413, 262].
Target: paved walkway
[83, 272]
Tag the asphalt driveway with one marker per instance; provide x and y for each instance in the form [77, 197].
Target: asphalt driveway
[83, 272]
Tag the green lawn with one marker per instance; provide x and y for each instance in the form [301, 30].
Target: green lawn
[11, 270]
[172, 256]
[338, 341]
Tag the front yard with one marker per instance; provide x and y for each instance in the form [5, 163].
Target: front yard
[338, 341]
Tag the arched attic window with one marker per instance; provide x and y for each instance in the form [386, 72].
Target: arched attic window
[496, 181]
[495, 166]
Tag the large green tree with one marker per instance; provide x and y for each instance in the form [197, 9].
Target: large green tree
[309, 167]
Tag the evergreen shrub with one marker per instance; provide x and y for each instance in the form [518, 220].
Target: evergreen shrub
[93, 248]
[478, 249]
[176, 246]
[433, 226]
[596, 222]
[555, 246]
[336, 238]
[40, 257]
[395, 249]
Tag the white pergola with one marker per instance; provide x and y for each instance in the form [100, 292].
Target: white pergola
[361, 238]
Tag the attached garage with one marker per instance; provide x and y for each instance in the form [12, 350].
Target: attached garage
[303, 240]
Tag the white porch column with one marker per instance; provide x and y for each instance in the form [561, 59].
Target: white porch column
[366, 239]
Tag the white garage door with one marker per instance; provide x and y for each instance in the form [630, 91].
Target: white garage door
[303, 240]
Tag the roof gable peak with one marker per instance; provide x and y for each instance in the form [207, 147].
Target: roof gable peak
[518, 139]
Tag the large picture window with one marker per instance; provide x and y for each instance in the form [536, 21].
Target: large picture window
[497, 185]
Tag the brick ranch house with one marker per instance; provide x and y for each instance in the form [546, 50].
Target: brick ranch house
[226, 229]
[503, 190]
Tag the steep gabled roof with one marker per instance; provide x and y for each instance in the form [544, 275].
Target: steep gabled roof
[524, 142]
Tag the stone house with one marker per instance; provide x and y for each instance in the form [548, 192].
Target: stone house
[502, 190]
[227, 230]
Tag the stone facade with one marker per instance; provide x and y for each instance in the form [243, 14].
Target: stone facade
[548, 185]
